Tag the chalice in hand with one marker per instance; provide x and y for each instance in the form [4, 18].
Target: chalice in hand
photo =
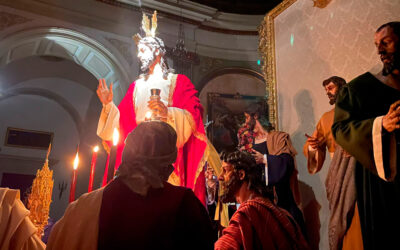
[155, 96]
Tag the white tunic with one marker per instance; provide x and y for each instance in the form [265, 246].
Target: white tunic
[179, 119]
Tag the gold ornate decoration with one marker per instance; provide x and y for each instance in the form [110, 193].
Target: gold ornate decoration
[266, 47]
[40, 197]
[146, 27]
[321, 3]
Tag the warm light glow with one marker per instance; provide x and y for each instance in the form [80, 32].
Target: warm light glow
[76, 161]
[148, 115]
[115, 137]
[95, 149]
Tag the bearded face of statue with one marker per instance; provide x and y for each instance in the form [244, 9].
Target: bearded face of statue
[230, 183]
[332, 91]
[387, 43]
[146, 56]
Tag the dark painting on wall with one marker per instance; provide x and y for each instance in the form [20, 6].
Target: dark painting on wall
[225, 116]
[24, 138]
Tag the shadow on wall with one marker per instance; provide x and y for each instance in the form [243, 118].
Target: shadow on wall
[311, 207]
[311, 215]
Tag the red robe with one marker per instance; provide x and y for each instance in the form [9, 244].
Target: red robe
[259, 224]
[190, 160]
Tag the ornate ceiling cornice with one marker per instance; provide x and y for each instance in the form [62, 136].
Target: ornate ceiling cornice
[205, 18]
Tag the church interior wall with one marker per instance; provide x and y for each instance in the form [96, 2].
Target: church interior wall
[65, 105]
[312, 44]
[232, 83]
[66, 76]
[113, 27]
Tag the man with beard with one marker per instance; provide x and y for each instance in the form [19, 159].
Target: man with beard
[138, 209]
[344, 230]
[258, 223]
[366, 125]
[322, 139]
[177, 104]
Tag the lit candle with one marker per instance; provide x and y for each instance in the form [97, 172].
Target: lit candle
[113, 155]
[73, 180]
[92, 168]
[148, 115]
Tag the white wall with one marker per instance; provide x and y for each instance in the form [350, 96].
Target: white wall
[313, 44]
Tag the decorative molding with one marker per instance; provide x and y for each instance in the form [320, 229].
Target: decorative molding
[124, 48]
[267, 50]
[68, 44]
[204, 17]
[8, 20]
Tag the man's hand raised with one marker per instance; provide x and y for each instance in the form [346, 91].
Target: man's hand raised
[391, 121]
[104, 93]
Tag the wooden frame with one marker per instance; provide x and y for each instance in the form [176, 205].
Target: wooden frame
[266, 48]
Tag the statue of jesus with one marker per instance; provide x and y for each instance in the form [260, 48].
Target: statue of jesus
[178, 105]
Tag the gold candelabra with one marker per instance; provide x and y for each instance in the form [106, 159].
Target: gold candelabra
[40, 196]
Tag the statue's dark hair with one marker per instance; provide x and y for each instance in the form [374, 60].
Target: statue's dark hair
[338, 81]
[394, 25]
[255, 109]
[241, 160]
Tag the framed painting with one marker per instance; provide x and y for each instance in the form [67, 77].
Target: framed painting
[226, 115]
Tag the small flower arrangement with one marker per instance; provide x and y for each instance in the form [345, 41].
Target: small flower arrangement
[246, 138]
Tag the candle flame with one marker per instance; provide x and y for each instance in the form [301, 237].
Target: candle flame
[148, 115]
[96, 148]
[76, 161]
[115, 137]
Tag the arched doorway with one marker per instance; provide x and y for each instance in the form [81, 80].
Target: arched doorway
[67, 44]
[48, 78]
[225, 94]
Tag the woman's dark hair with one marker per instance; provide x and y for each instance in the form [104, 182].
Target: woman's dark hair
[253, 173]
[256, 110]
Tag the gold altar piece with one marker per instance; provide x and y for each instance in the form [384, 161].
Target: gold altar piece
[40, 196]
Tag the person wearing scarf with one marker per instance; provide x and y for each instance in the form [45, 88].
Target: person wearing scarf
[139, 209]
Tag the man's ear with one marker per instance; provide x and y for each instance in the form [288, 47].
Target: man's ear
[242, 174]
